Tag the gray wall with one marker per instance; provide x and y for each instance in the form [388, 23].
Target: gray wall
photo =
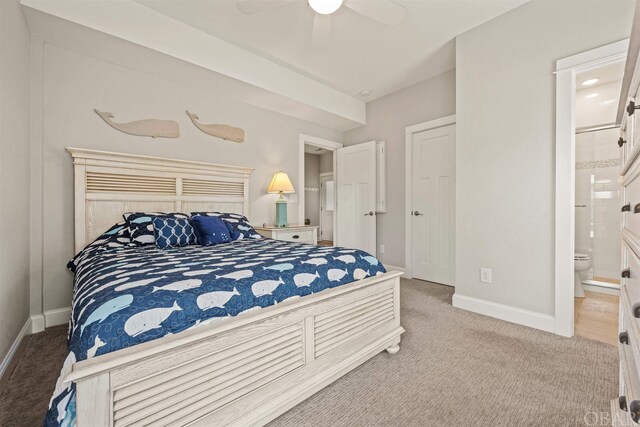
[75, 83]
[387, 119]
[326, 163]
[14, 172]
[505, 143]
[312, 180]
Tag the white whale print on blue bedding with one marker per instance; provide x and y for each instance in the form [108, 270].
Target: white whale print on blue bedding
[128, 295]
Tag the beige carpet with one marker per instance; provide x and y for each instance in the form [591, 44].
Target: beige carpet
[453, 368]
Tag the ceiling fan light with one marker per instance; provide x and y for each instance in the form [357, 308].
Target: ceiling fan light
[325, 7]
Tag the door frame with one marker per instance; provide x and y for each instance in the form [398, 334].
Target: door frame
[322, 143]
[323, 175]
[566, 70]
[408, 188]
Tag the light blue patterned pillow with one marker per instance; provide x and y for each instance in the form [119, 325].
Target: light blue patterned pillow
[173, 232]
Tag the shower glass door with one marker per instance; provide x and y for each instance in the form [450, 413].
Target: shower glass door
[598, 204]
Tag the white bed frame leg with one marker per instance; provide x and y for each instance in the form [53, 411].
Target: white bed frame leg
[393, 349]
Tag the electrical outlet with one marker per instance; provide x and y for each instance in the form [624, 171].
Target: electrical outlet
[485, 275]
[381, 249]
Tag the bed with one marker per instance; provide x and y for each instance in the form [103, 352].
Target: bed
[240, 332]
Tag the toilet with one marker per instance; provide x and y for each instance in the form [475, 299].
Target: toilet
[581, 262]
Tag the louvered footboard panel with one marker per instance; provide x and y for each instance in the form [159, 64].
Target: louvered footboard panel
[188, 391]
[245, 370]
[346, 323]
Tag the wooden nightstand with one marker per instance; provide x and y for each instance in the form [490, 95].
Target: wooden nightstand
[292, 233]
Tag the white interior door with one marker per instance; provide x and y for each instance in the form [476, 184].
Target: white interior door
[327, 203]
[356, 197]
[433, 205]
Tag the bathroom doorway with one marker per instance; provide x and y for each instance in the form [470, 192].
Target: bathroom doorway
[317, 160]
[597, 202]
[318, 202]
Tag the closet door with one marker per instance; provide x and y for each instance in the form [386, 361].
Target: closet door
[433, 205]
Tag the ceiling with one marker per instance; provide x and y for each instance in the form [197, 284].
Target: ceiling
[312, 149]
[363, 54]
[266, 59]
[607, 74]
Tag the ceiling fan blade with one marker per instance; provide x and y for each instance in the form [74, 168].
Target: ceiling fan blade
[321, 35]
[249, 7]
[384, 11]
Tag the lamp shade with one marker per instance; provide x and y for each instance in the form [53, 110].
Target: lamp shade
[280, 183]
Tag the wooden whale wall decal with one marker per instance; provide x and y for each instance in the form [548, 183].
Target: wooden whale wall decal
[149, 127]
[226, 132]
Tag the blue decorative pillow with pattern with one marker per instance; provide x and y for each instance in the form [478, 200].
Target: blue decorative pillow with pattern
[173, 232]
[116, 237]
[140, 225]
[210, 230]
[238, 225]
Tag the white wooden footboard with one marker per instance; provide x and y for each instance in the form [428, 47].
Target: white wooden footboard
[245, 370]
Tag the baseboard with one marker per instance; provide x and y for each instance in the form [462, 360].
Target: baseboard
[390, 267]
[528, 318]
[56, 317]
[37, 323]
[26, 330]
[601, 289]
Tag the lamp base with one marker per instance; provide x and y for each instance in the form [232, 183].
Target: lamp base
[281, 213]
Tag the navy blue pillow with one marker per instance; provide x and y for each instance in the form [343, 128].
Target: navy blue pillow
[238, 225]
[173, 232]
[115, 237]
[235, 234]
[210, 230]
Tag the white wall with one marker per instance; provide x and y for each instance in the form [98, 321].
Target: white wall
[14, 173]
[311, 180]
[73, 84]
[505, 143]
[387, 119]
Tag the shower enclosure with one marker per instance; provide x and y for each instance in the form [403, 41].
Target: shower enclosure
[598, 205]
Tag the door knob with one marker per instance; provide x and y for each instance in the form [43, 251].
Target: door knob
[623, 337]
[370, 213]
[416, 213]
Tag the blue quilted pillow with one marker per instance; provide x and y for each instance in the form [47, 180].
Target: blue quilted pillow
[238, 225]
[173, 232]
[210, 230]
[140, 225]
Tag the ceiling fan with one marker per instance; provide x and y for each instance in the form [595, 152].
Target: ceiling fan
[384, 11]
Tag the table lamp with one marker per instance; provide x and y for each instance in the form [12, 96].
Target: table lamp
[281, 184]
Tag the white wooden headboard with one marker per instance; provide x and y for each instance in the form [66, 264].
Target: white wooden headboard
[110, 184]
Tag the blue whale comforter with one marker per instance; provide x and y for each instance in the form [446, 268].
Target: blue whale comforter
[125, 295]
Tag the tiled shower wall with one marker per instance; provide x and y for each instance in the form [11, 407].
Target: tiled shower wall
[598, 201]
